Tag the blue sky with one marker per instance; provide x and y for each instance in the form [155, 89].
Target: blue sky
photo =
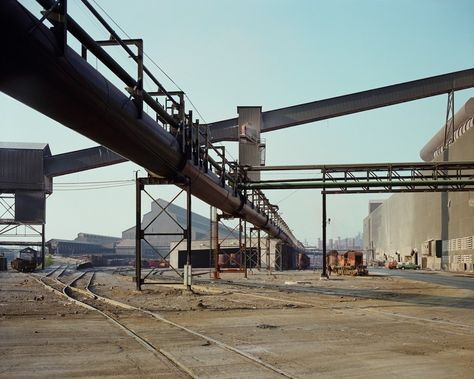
[273, 53]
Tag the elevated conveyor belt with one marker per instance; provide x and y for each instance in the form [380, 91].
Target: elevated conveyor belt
[227, 130]
[69, 90]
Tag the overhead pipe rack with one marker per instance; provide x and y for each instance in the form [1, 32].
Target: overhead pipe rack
[370, 178]
[373, 178]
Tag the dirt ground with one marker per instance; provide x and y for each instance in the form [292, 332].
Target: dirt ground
[346, 327]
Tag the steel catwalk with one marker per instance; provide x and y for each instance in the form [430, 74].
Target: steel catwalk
[69, 90]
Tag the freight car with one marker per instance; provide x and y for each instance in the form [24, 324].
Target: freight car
[331, 260]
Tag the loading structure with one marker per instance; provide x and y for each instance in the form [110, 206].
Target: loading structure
[27, 171]
[43, 72]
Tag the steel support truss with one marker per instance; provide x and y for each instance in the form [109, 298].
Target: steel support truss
[228, 258]
[375, 178]
[11, 229]
[449, 124]
[254, 258]
[141, 232]
[277, 262]
[371, 178]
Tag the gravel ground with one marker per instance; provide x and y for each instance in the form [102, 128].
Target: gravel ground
[346, 327]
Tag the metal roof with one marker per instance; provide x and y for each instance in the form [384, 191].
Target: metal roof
[26, 146]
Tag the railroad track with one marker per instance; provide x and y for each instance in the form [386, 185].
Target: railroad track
[278, 289]
[190, 353]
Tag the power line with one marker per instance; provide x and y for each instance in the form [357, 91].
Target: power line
[286, 197]
[158, 67]
[93, 185]
[152, 61]
[93, 188]
[96, 182]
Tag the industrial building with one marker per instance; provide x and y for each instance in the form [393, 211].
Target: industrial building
[433, 230]
[269, 254]
[83, 244]
[160, 222]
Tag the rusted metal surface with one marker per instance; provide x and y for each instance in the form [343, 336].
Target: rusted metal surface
[349, 263]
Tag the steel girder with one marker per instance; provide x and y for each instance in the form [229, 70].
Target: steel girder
[227, 130]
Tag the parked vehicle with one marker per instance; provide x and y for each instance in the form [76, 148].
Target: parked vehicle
[408, 266]
[391, 265]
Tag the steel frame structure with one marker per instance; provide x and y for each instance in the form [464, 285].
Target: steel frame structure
[141, 232]
[218, 241]
[375, 178]
[372, 178]
[278, 262]
[255, 249]
[449, 123]
[10, 228]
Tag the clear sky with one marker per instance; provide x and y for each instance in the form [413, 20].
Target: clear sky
[272, 53]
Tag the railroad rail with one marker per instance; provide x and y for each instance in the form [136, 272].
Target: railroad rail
[107, 307]
[279, 291]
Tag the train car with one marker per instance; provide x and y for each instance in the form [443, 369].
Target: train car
[332, 260]
[26, 261]
[349, 263]
[303, 261]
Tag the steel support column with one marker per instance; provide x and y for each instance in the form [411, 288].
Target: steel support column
[449, 123]
[324, 273]
[243, 247]
[188, 270]
[255, 248]
[138, 232]
[215, 241]
[234, 260]
[42, 246]
[60, 26]
[141, 233]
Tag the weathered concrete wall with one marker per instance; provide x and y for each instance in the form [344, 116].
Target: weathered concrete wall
[405, 221]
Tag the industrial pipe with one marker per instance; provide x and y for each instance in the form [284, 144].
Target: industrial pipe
[69, 90]
[356, 184]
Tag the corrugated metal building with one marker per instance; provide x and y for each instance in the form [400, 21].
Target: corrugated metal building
[22, 174]
[163, 223]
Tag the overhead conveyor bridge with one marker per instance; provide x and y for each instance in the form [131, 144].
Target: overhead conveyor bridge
[227, 130]
[43, 72]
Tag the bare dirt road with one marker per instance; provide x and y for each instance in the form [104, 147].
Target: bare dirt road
[266, 326]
